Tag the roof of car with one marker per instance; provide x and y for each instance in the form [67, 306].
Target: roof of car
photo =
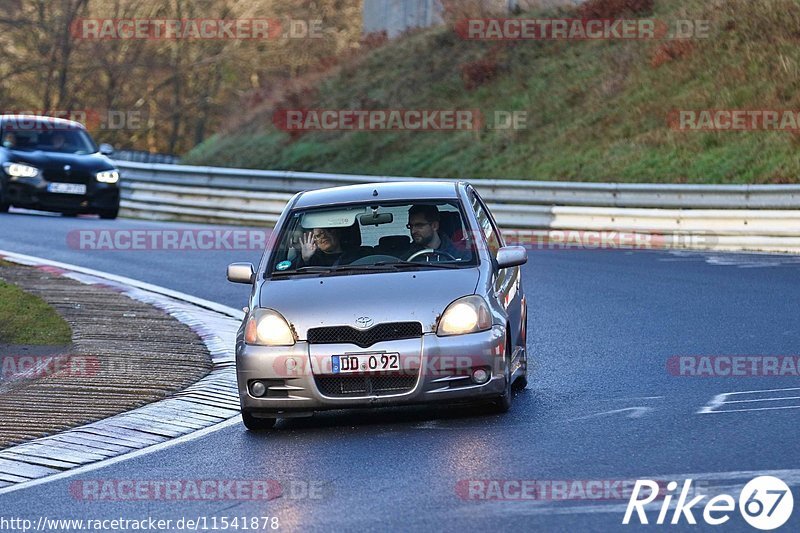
[386, 191]
[41, 118]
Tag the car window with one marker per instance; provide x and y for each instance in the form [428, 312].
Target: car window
[429, 233]
[486, 224]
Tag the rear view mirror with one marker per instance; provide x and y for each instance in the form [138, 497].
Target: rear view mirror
[375, 219]
[241, 273]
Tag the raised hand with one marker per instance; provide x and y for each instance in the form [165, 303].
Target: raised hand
[308, 246]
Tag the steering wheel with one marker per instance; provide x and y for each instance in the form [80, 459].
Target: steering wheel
[431, 252]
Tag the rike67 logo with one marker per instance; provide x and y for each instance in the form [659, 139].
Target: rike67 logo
[765, 503]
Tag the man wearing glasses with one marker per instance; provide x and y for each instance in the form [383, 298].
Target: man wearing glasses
[423, 223]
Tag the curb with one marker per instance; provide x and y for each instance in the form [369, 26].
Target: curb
[210, 404]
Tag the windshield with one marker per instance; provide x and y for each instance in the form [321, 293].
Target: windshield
[374, 237]
[49, 139]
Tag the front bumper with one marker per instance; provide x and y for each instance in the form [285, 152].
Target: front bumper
[32, 193]
[433, 369]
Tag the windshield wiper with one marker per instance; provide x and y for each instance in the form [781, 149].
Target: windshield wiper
[382, 265]
[412, 264]
[303, 270]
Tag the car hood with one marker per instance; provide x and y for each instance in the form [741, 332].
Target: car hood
[57, 160]
[418, 296]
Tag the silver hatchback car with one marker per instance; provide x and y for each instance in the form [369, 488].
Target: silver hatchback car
[381, 294]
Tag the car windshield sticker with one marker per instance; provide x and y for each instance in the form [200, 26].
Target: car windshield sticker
[283, 265]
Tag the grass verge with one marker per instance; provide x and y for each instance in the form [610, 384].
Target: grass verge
[26, 319]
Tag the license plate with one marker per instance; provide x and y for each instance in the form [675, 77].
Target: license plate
[372, 362]
[67, 188]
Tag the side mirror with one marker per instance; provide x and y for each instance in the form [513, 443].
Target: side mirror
[106, 149]
[241, 273]
[511, 256]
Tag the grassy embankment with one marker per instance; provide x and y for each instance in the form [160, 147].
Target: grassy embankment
[597, 110]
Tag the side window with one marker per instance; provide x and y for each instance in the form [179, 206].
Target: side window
[485, 222]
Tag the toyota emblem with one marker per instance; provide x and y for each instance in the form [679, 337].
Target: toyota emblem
[364, 322]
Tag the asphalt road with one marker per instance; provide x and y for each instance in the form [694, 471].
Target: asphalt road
[601, 404]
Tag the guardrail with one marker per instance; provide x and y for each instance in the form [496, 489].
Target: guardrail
[750, 217]
[140, 156]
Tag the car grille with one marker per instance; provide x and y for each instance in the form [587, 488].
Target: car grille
[388, 331]
[58, 175]
[343, 386]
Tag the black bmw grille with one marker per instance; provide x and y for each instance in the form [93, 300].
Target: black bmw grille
[388, 331]
[365, 385]
[59, 175]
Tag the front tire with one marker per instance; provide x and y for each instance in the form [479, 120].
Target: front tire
[257, 424]
[4, 207]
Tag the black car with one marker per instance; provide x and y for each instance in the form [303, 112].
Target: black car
[53, 164]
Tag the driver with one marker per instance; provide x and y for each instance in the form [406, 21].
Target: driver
[423, 222]
[10, 140]
[58, 141]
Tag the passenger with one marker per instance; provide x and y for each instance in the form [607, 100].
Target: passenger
[423, 222]
[325, 247]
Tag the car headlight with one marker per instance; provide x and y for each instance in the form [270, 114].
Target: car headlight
[267, 327]
[465, 315]
[108, 176]
[18, 170]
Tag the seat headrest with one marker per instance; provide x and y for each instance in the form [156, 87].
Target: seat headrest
[450, 225]
[394, 241]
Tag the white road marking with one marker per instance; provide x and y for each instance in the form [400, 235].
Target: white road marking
[765, 399]
[722, 399]
[634, 398]
[131, 455]
[635, 412]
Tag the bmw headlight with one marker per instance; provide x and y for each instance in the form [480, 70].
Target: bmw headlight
[469, 314]
[108, 176]
[19, 170]
[267, 327]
